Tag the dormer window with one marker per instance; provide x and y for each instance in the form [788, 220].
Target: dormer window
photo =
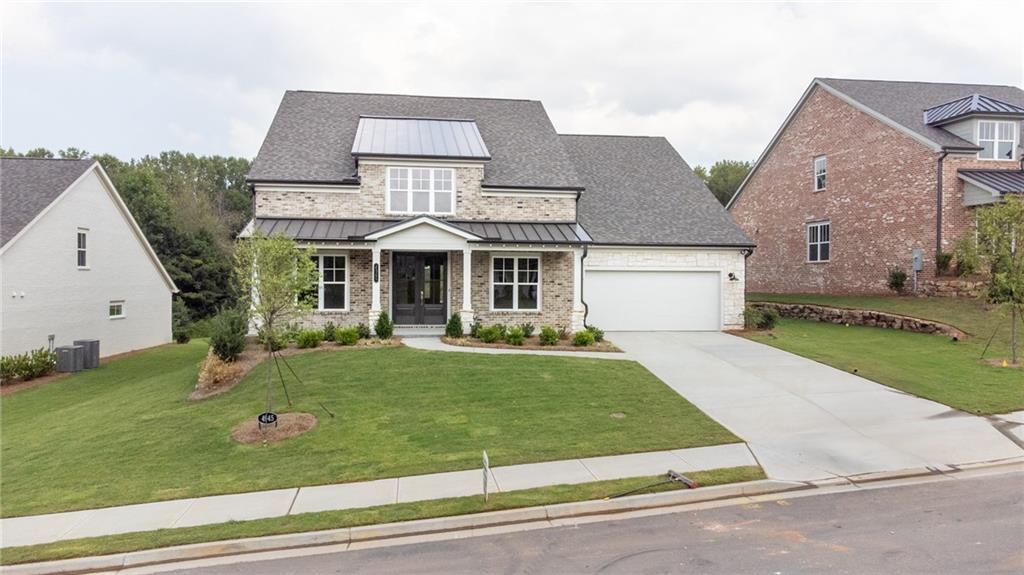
[421, 191]
[998, 140]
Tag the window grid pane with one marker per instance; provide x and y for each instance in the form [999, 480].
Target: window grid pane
[421, 190]
[819, 242]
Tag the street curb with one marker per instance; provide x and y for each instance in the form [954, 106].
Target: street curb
[400, 530]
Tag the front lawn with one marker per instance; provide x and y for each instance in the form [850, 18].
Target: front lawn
[929, 366]
[124, 433]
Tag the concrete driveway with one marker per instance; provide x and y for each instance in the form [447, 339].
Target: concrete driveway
[807, 421]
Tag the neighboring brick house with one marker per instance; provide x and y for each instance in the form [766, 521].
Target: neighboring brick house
[424, 206]
[865, 174]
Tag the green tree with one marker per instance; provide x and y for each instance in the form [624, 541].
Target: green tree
[1000, 233]
[724, 177]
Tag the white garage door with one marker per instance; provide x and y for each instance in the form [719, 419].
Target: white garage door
[653, 300]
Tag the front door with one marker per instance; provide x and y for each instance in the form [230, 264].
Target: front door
[420, 288]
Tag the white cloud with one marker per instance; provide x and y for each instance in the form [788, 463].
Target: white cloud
[715, 78]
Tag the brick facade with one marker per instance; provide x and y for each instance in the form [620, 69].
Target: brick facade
[368, 202]
[879, 198]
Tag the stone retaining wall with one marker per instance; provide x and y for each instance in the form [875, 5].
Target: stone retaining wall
[861, 317]
[951, 287]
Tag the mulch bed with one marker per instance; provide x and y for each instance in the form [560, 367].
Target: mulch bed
[217, 377]
[288, 425]
[533, 344]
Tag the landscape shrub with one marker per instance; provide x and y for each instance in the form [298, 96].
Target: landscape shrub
[474, 330]
[514, 336]
[527, 328]
[490, 334]
[227, 333]
[364, 331]
[583, 338]
[291, 332]
[565, 333]
[897, 280]
[181, 321]
[384, 328]
[548, 335]
[454, 327]
[29, 365]
[199, 328]
[347, 336]
[502, 330]
[760, 317]
[277, 342]
[329, 331]
[966, 253]
[309, 338]
[598, 332]
[942, 261]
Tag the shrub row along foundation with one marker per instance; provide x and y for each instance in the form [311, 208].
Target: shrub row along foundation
[861, 317]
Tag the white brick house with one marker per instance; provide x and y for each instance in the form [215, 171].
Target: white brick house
[423, 207]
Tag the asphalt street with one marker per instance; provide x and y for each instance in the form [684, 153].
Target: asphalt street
[964, 526]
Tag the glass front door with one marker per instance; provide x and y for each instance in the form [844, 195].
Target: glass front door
[420, 288]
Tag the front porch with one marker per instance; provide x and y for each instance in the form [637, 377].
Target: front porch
[421, 271]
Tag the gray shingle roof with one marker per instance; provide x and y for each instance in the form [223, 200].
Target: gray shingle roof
[312, 229]
[419, 137]
[28, 185]
[905, 102]
[312, 135]
[1003, 181]
[973, 104]
[640, 191]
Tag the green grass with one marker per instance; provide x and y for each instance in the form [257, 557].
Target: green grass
[355, 517]
[929, 366]
[124, 433]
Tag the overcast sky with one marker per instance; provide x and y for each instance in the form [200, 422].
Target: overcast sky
[716, 79]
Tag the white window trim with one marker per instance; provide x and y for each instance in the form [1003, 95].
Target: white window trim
[410, 211]
[515, 284]
[807, 241]
[85, 250]
[814, 173]
[1015, 130]
[112, 303]
[320, 284]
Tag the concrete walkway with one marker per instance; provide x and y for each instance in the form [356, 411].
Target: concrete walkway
[37, 529]
[807, 421]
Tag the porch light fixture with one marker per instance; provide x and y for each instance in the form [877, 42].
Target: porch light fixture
[733, 278]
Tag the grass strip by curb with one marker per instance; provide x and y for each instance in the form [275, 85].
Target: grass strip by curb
[127, 542]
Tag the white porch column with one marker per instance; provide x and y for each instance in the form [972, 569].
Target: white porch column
[467, 298]
[375, 272]
[577, 290]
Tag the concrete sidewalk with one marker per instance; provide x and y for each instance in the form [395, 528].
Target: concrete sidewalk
[38, 529]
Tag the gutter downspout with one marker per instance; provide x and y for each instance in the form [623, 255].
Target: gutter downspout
[938, 205]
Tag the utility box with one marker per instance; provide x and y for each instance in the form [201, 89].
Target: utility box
[92, 352]
[917, 261]
[70, 358]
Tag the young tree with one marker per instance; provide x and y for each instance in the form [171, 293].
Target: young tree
[274, 277]
[1000, 235]
[724, 178]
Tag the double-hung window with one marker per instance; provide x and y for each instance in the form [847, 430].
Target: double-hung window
[116, 309]
[820, 169]
[515, 283]
[819, 241]
[997, 140]
[332, 285]
[421, 191]
[82, 252]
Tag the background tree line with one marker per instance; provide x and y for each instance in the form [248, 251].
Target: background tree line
[190, 208]
[724, 177]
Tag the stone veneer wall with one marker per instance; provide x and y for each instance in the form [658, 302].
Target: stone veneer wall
[369, 201]
[725, 261]
[861, 317]
[555, 299]
[359, 293]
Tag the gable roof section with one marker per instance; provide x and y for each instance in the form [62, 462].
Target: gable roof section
[312, 135]
[969, 105]
[29, 185]
[900, 105]
[641, 192]
[419, 138]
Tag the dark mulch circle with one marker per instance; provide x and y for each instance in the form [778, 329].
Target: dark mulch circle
[288, 425]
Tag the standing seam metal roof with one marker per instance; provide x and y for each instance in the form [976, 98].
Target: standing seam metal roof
[973, 104]
[419, 137]
[1003, 181]
[487, 231]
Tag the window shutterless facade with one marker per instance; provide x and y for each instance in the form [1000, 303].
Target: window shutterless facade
[820, 169]
[421, 191]
[515, 283]
[819, 241]
[82, 254]
[998, 140]
[332, 284]
[116, 309]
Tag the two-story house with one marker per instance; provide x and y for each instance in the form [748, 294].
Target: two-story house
[427, 206]
[865, 176]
